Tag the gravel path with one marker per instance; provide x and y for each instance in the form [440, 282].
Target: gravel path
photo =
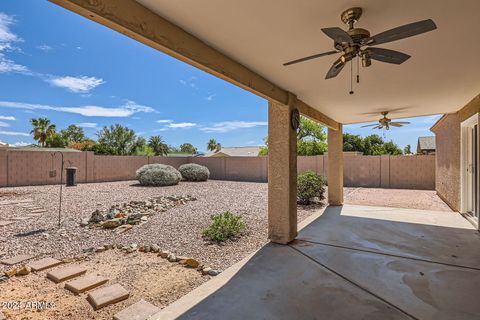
[178, 229]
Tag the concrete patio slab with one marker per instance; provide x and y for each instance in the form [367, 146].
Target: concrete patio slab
[142, 310]
[44, 264]
[85, 283]
[16, 259]
[63, 274]
[278, 282]
[427, 235]
[427, 291]
[106, 296]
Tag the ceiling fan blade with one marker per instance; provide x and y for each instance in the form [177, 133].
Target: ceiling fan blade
[370, 125]
[387, 55]
[338, 35]
[378, 127]
[396, 124]
[335, 69]
[401, 122]
[310, 57]
[402, 32]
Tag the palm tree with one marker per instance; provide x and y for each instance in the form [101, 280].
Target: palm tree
[42, 130]
[159, 147]
[212, 144]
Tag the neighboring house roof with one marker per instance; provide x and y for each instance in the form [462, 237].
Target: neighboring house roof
[426, 143]
[235, 152]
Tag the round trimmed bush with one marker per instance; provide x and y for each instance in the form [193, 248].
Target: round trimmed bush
[158, 175]
[194, 172]
[310, 186]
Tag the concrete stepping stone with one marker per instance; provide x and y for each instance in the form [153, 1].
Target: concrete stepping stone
[22, 218]
[17, 259]
[142, 310]
[106, 296]
[38, 211]
[44, 263]
[4, 223]
[62, 274]
[85, 283]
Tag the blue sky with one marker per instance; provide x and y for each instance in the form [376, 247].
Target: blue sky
[56, 64]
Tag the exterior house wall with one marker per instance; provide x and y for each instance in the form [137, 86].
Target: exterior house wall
[448, 152]
[18, 168]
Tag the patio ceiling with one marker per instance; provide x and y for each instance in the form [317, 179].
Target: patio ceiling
[441, 76]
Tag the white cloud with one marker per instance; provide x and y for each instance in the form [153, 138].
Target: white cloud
[227, 126]
[8, 118]
[44, 47]
[182, 125]
[165, 121]
[10, 66]
[20, 144]
[210, 97]
[126, 110]
[14, 133]
[4, 124]
[7, 37]
[87, 125]
[81, 84]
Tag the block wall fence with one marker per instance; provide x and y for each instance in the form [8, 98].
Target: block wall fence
[21, 168]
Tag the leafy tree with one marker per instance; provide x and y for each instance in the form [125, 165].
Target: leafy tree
[118, 140]
[188, 148]
[352, 142]
[158, 146]
[144, 150]
[407, 149]
[212, 145]
[373, 145]
[85, 145]
[73, 133]
[42, 129]
[391, 148]
[56, 141]
[311, 139]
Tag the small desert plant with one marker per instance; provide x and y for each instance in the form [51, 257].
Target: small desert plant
[158, 175]
[194, 172]
[224, 226]
[309, 186]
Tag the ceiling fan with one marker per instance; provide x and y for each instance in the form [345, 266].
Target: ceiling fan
[385, 123]
[351, 43]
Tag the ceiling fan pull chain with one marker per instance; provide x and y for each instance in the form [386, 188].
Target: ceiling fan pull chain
[351, 77]
[358, 70]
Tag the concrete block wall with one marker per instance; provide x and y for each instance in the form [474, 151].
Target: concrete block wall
[19, 168]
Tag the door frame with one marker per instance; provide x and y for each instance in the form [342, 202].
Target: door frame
[464, 145]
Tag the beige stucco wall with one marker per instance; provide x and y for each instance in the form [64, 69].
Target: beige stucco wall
[19, 168]
[447, 138]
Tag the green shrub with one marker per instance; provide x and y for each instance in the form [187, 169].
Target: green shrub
[194, 172]
[158, 175]
[224, 226]
[310, 186]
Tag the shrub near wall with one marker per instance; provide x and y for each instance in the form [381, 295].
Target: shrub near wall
[194, 172]
[158, 175]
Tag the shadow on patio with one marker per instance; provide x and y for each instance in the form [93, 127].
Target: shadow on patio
[352, 262]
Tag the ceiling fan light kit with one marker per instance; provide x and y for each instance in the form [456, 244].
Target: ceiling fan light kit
[385, 123]
[351, 43]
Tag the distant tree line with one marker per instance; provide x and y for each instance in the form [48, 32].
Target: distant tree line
[312, 140]
[112, 140]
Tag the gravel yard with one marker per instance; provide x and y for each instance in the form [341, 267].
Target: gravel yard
[178, 229]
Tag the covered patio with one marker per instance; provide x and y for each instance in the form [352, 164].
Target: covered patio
[350, 262]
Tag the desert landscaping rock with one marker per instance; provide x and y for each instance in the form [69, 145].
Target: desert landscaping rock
[192, 263]
[43, 264]
[66, 273]
[142, 310]
[85, 283]
[11, 272]
[2, 316]
[106, 296]
[17, 259]
[24, 271]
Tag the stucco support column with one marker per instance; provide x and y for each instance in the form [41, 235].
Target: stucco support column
[335, 166]
[282, 173]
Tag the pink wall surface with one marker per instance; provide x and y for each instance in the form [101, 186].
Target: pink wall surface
[19, 168]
